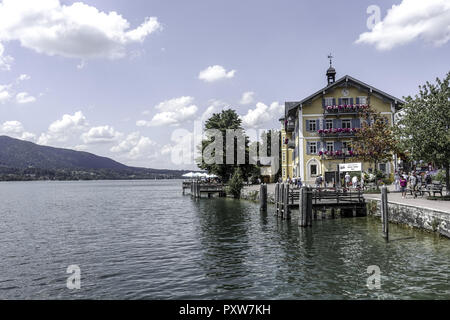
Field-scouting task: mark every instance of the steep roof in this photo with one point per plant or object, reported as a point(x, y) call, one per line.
point(289, 106)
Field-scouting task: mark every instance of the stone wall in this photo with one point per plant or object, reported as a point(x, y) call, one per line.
point(422, 218)
point(253, 195)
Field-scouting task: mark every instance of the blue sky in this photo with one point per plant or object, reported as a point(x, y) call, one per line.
point(119, 84)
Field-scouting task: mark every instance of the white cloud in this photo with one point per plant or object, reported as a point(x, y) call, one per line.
point(23, 77)
point(61, 130)
point(15, 129)
point(74, 31)
point(411, 20)
point(5, 61)
point(174, 112)
point(215, 73)
point(4, 93)
point(101, 134)
point(256, 118)
point(135, 146)
point(247, 98)
point(216, 106)
point(24, 97)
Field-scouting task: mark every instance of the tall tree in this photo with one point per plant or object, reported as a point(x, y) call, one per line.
point(424, 125)
point(375, 142)
point(226, 120)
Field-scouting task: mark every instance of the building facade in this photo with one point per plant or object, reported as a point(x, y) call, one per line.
point(317, 132)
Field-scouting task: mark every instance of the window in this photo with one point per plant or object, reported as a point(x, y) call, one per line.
point(284, 156)
point(284, 172)
point(383, 167)
point(313, 147)
point(328, 101)
point(346, 146)
point(313, 169)
point(346, 123)
point(311, 125)
point(329, 124)
point(363, 100)
point(330, 146)
point(345, 101)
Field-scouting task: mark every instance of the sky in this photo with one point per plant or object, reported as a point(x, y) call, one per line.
point(132, 80)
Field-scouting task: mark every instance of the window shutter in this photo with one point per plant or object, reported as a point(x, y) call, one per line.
point(317, 124)
point(334, 123)
point(338, 123)
point(334, 101)
point(340, 101)
point(307, 147)
point(307, 125)
point(357, 123)
point(338, 146)
point(357, 100)
point(323, 102)
point(351, 100)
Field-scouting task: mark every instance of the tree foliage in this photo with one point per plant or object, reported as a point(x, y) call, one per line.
point(424, 124)
point(375, 142)
point(236, 183)
point(227, 119)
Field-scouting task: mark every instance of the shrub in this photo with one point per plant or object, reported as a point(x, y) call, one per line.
point(236, 183)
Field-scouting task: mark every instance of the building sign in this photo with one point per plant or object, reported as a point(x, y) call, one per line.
point(350, 167)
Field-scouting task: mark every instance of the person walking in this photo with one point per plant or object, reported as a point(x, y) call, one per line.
point(318, 181)
point(347, 180)
point(397, 181)
point(354, 182)
point(403, 183)
point(299, 182)
point(413, 183)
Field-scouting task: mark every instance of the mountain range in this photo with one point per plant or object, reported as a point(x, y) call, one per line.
point(24, 160)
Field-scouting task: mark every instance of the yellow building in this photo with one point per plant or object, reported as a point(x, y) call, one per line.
point(318, 131)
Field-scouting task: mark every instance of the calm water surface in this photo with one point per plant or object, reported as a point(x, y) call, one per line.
point(144, 240)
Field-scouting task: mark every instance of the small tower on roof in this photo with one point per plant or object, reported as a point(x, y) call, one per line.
point(331, 72)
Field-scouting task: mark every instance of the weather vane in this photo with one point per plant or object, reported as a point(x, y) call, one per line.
point(330, 57)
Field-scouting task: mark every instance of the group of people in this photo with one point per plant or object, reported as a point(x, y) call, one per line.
point(414, 179)
point(295, 181)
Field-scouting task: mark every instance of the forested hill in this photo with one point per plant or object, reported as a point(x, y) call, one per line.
point(24, 160)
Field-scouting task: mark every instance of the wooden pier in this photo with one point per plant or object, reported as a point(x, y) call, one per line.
point(198, 189)
point(310, 201)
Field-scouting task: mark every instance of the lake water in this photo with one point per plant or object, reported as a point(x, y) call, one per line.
point(144, 240)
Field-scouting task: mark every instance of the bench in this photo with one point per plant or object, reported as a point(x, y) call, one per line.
point(433, 188)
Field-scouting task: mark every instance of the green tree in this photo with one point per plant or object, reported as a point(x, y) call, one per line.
point(375, 142)
point(424, 125)
point(236, 183)
point(226, 120)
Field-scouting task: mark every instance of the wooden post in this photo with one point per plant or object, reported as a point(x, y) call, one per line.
point(385, 213)
point(286, 213)
point(332, 213)
point(281, 199)
point(263, 197)
point(303, 206)
point(277, 193)
point(309, 196)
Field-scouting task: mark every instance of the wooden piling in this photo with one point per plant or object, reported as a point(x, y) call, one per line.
point(385, 213)
point(277, 192)
point(286, 212)
point(309, 197)
point(263, 197)
point(303, 207)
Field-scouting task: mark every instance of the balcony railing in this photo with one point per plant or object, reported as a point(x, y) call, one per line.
point(290, 126)
point(350, 108)
point(337, 154)
point(338, 132)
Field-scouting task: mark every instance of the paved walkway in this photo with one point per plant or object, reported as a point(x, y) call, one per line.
point(393, 197)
